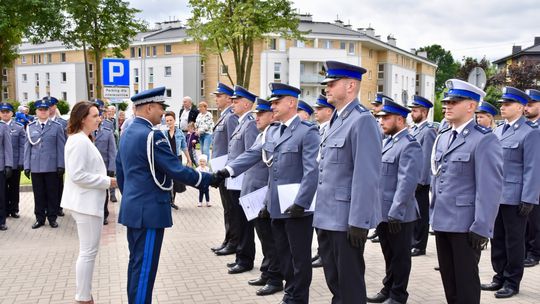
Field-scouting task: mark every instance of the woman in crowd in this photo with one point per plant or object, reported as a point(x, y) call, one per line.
point(485, 115)
point(204, 125)
point(84, 191)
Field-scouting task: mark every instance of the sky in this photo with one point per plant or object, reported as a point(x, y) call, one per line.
point(474, 28)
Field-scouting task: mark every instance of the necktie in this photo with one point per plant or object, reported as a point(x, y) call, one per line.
point(452, 137)
point(334, 116)
point(414, 128)
point(505, 128)
point(42, 126)
point(388, 141)
point(282, 129)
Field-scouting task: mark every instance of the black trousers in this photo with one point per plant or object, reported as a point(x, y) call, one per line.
point(270, 264)
point(224, 194)
point(397, 258)
point(12, 192)
point(344, 267)
point(46, 193)
point(421, 229)
point(3, 199)
point(60, 190)
point(242, 232)
point(106, 205)
point(532, 237)
point(293, 242)
point(508, 246)
point(458, 263)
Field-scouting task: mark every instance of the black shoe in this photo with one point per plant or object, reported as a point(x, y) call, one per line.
point(53, 224)
point(231, 265)
point(316, 257)
point(317, 263)
point(218, 248)
point(229, 249)
point(432, 233)
point(113, 199)
point(375, 239)
point(3, 227)
point(373, 235)
point(105, 222)
point(174, 206)
point(493, 286)
point(417, 252)
point(391, 301)
point(268, 290)
point(437, 268)
point(505, 292)
point(37, 225)
point(378, 298)
point(60, 213)
point(239, 269)
point(530, 262)
point(258, 282)
point(15, 215)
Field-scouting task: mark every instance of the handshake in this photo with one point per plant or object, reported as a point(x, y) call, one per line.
point(218, 177)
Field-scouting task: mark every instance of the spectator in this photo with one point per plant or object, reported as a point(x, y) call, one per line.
point(192, 139)
point(203, 167)
point(187, 114)
point(204, 125)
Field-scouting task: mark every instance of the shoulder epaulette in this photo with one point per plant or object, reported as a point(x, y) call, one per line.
point(1, 121)
point(250, 117)
point(106, 128)
point(482, 129)
point(275, 123)
point(410, 137)
point(56, 122)
point(445, 130)
point(430, 125)
point(307, 123)
point(532, 124)
point(500, 123)
point(360, 108)
point(33, 122)
point(20, 124)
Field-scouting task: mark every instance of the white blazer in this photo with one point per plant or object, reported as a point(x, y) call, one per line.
point(86, 176)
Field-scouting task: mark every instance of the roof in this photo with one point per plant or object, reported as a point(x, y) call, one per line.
point(169, 33)
point(533, 50)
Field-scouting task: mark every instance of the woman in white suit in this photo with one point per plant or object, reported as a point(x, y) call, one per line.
point(84, 191)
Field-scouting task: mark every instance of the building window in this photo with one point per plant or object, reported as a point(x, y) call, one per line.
point(49, 57)
point(327, 44)
point(369, 96)
point(135, 75)
point(25, 96)
point(369, 74)
point(272, 44)
point(91, 90)
point(300, 43)
point(380, 88)
point(224, 69)
point(64, 96)
point(380, 74)
point(5, 93)
point(277, 70)
point(23, 59)
point(168, 48)
point(282, 44)
point(168, 93)
point(39, 58)
point(154, 51)
point(202, 66)
point(34, 59)
point(48, 79)
point(132, 52)
point(147, 51)
point(168, 71)
point(37, 95)
point(90, 71)
point(202, 87)
point(342, 45)
point(150, 75)
point(139, 52)
point(4, 74)
point(24, 78)
point(136, 92)
point(351, 47)
point(37, 79)
point(62, 57)
point(64, 77)
point(396, 78)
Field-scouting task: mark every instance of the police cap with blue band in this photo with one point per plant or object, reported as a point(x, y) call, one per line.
point(263, 105)
point(511, 94)
point(304, 106)
point(156, 95)
point(486, 107)
point(240, 92)
point(390, 107)
point(52, 100)
point(379, 98)
point(419, 101)
point(534, 95)
point(42, 104)
point(280, 90)
point(460, 90)
point(337, 70)
point(223, 89)
point(322, 102)
point(4, 106)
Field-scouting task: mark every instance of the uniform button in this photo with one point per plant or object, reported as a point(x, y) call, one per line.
point(320, 170)
point(275, 179)
point(440, 191)
point(445, 160)
point(443, 170)
point(324, 145)
point(320, 183)
point(322, 156)
point(442, 181)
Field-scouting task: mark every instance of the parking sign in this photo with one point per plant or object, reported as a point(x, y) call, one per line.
point(115, 72)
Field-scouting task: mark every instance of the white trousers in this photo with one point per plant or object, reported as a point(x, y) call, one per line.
point(89, 229)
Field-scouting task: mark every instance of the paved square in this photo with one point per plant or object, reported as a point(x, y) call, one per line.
point(38, 266)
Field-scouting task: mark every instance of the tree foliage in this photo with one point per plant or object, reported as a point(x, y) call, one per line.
point(522, 75)
point(446, 65)
point(235, 25)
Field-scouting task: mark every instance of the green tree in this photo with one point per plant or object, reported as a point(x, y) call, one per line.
point(469, 63)
point(34, 19)
point(236, 25)
point(522, 75)
point(446, 66)
point(63, 106)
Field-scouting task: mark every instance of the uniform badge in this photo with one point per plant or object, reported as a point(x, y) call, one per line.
point(163, 140)
point(466, 131)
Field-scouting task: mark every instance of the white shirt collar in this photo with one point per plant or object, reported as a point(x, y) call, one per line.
point(241, 119)
point(421, 123)
point(43, 122)
point(512, 122)
point(339, 112)
point(289, 122)
point(395, 135)
point(150, 123)
point(460, 128)
point(324, 124)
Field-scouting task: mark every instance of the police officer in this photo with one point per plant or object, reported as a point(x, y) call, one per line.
point(425, 134)
point(485, 115)
point(467, 165)
point(106, 145)
point(290, 150)
point(44, 160)
point(108, 124)
point(255, 178)
point(520, 140)
point(377, 103)
point(348, 198)
point(304, 110)
point(223, 130)
point(145, 155)
point(400, 175)
point(242, 138)
point(532, 243)
point(18, 138)
point(6, 166)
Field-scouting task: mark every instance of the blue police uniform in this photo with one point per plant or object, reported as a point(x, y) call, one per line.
point(486, 107)
point(466, 188)
point(145, 155)
point(18, 139)
point(400, 174)
point(6, 165)
point(304, 106)
point(520, 141)
point(221, 134)
point(290, 151)
point(241, 231)
point(425, 134)
point(44, 158)
point(348, 194)
point(106, 145)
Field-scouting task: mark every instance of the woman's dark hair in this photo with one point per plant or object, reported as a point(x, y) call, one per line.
point(170, 113)
point(80, 110)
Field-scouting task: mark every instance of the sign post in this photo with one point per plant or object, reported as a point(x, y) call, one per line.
point(115, 81)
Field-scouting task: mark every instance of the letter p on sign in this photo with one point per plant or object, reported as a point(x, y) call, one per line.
point(115, 72)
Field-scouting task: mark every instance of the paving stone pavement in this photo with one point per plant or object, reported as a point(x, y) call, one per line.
point(38, 266)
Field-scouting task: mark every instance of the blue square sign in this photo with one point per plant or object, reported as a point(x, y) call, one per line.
point(115, 72)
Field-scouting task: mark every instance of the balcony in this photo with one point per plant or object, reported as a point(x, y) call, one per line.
point(311, 79)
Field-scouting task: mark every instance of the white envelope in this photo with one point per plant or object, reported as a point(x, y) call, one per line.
point(235, 183)
point(253, 202)
point(218, 163)
point(287, 193)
